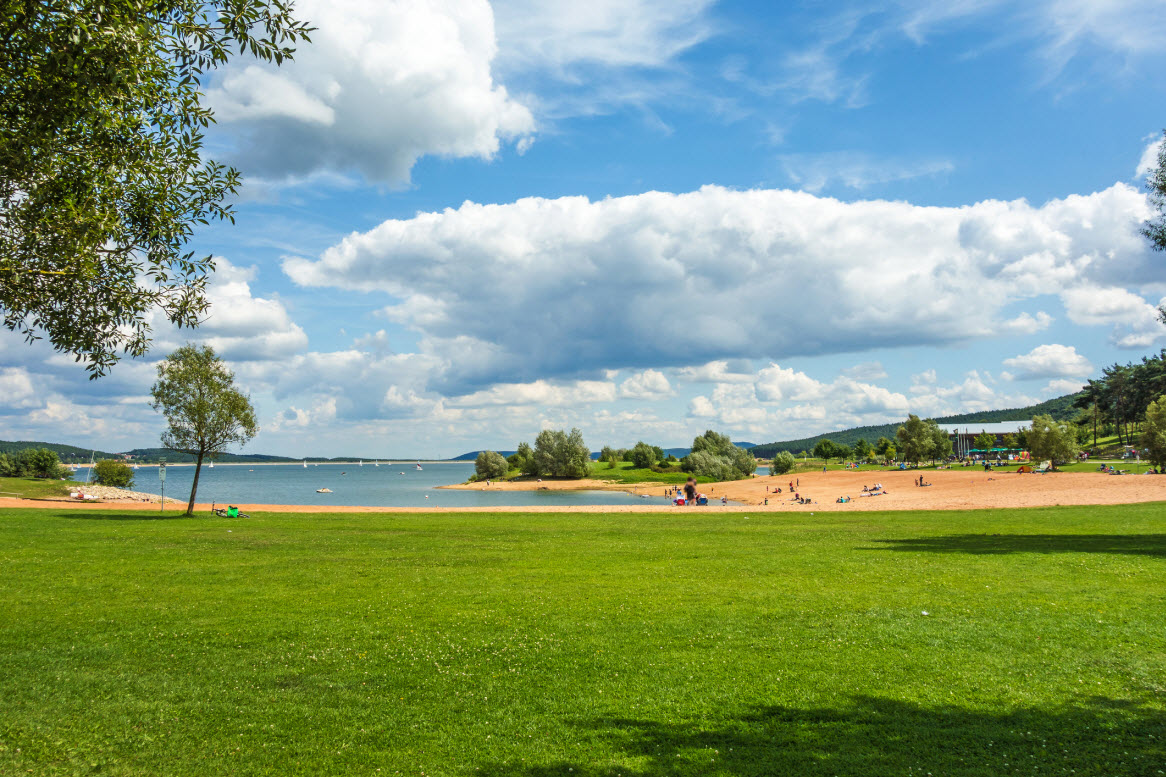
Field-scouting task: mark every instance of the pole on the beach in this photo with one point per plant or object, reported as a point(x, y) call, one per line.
point(162, 477)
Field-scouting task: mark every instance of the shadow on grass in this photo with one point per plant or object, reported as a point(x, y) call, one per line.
point(872, 737)
point(132, 515)
point(989, 544)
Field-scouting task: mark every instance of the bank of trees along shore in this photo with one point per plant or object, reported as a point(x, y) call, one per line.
point(559, 454)
point(1118, 400)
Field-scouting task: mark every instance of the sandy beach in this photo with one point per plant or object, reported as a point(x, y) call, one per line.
point(957, 489)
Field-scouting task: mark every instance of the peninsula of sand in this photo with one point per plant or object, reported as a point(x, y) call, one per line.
point(957, 489)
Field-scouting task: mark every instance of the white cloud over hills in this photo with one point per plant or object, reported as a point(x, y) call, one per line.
point(568, 287)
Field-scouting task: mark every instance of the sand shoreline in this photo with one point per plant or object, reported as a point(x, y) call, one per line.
point(957, 489)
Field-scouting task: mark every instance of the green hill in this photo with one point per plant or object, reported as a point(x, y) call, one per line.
point(69, 454)
point(1060, 408)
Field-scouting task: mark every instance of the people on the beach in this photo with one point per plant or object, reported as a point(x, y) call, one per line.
point(690, 490)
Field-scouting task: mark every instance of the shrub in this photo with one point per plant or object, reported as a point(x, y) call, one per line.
point(1052, 440)
point(108, 472)
point(783, 462)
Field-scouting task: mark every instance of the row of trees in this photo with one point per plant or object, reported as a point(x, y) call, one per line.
point(556, 454)
point(862, 450)
point(32, 463)
point(1120, 397)
point(564, 455)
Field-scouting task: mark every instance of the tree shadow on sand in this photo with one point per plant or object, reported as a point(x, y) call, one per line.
point(996, 544)
point(871, 737)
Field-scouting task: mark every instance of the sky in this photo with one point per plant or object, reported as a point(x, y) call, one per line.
point(463, 222)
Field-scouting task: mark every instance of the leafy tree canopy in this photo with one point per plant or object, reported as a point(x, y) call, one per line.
point(560, 455)
point(1154, 433)
point(110, 472)
point(1052, 440)
point(490, 465)
point(102, 175)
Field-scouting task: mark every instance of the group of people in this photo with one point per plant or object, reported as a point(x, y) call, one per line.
point(690, 496)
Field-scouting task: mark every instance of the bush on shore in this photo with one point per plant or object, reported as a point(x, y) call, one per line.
point(118, 474)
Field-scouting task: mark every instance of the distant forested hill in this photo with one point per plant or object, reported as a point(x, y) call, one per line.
point(1060, 408)
point(66, 453)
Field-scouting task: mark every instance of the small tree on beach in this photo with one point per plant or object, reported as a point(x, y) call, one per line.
point(861, 450)
point(1052, 440)
point(782, 462)
point(561, 455)
point(914, 439)
point(204, 411)
point(491, 465)
point(109, 472)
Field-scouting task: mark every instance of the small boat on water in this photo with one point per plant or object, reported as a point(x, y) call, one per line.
point(323, 491)
point(361, 462)
point(212, 465)
point(417, 466)
point(305, 463)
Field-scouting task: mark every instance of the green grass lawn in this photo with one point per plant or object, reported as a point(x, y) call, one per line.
point(626, 472)
point(690, 643)
point(35, 488)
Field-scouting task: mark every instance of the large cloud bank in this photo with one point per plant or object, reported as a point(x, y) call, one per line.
point(556, 288)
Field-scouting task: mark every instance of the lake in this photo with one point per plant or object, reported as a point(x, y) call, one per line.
point(387, 485)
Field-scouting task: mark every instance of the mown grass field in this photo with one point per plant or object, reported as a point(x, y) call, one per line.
point(969, 644)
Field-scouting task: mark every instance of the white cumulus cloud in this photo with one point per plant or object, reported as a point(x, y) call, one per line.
point(380, 85)
point(515, 281)
point(1050, 361)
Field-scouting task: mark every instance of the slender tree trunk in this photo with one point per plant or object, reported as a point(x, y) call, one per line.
point(194, 486)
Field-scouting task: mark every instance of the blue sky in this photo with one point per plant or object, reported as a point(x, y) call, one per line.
point(464, 222)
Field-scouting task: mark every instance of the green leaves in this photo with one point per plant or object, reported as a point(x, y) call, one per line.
point(102, 177)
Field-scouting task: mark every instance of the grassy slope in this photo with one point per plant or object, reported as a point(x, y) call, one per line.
point(35, 488)
point(585, 645)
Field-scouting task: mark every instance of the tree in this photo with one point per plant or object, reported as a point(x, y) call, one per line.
point(881, 446)
point(940, 443)
point(490, 465)
point(1010, 442)
point(609, 455)
point(913, 439)
point(862, 450)
point(984, 442)
point(782, 462)
point(38, 463)
point(715, 456)
point(825, 450)
point(523, 459)
point(204, 411)
point(844, 452)
point(1155, 228)
point(1154, 434)
point(561, 455)
point(891, 452)
point(642, 456)
point(1052, 440)
point(102, 172)
point(109, 472)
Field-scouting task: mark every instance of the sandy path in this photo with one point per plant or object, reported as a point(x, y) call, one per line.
point(958, 489)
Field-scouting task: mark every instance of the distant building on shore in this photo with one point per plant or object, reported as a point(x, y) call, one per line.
point(963, 436)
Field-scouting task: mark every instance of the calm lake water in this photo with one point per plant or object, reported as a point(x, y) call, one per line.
point(387, 485)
